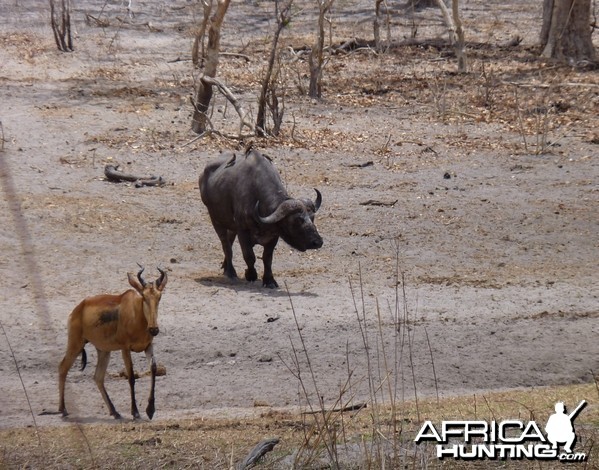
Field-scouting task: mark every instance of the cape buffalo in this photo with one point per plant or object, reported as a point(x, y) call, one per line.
point(246, 198)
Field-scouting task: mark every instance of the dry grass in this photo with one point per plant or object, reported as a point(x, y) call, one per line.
point(217, 442)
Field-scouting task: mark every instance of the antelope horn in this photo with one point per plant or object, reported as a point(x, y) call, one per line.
point(139, 278)
point(161, 278)
point(287, 207)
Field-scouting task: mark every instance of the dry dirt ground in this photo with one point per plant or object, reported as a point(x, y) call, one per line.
point(480, 190)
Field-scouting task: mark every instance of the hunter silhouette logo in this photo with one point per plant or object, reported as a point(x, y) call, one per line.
point(507, 439)
point(560, 429)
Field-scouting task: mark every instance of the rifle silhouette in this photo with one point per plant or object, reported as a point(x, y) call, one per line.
point(577, 410)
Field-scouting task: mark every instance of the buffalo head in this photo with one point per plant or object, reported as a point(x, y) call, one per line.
point(295, 221)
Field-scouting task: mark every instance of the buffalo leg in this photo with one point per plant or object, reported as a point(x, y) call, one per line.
point(249, 256)
point(103, 359)
point(268, 280)
point(131, 377)
point(150, 409)
point(227, 237)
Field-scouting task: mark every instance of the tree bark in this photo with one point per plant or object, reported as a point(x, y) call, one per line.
point(204, 93)
point(566, 31)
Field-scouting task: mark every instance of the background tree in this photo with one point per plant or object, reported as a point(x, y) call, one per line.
point(60, 19)
point(197, 50)
point(269, 81)
point(378, 20)
point(566, 31)
point(316, 60)
point(204, 93)
point(456, 32)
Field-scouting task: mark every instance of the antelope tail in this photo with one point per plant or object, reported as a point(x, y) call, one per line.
point(83, 358)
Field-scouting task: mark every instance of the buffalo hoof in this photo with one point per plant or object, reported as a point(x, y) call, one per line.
point(230, 273)
point(251, 274)
point(270, 283)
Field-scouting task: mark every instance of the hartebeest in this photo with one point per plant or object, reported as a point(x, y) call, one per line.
point(127, 322)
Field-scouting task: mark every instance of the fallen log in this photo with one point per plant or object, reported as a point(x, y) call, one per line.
point(113, 174)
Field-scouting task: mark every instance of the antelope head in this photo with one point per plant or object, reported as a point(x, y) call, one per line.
point(150, 293)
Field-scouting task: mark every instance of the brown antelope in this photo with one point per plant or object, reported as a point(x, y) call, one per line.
point(111, 322)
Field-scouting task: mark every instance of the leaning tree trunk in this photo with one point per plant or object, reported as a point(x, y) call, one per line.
point(566, 32)
point(204, 93)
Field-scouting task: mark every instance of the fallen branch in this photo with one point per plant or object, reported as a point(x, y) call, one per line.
point(373, 202)
point(232, 99)
point(102, 23)
point(343, 409)
point(258, 452)
point(113, 174)
point(360, 165)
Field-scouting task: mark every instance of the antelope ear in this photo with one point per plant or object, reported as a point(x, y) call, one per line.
point(135, 282)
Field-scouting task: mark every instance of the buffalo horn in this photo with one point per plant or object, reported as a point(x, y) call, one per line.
point(286, 208)
point(318, 201)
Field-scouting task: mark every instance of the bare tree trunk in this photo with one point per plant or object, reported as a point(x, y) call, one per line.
point(456, 32)
point(460, 44)
point(566, 31)
point(61, 25)
point(282, 21)
point(204, 93)
point(315, 59)
point(377, 25)
point(378, 20)
point(198, 42)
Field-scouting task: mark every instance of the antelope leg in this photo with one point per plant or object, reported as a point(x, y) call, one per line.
point(131, 376)
point(103, 359)
point(150, 409)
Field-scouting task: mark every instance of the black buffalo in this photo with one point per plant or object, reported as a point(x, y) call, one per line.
point(246, 198)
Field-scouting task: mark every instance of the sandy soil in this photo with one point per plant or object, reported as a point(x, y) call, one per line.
point(423, 172)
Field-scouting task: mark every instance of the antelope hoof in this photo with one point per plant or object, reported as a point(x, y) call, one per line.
point(150, 410)
point(117, 415)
